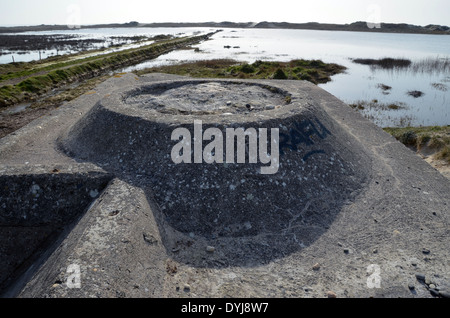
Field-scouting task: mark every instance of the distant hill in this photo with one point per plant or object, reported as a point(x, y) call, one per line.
point(359, 26)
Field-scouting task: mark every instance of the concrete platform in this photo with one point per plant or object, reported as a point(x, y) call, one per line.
point(93, 205)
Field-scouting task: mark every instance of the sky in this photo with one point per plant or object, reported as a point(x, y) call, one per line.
point(85, 12)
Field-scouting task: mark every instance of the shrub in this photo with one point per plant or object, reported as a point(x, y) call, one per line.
point(279, 74)
point(409, 138)
point(247, 68)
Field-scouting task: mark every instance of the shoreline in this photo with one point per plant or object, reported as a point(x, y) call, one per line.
point(358, 26)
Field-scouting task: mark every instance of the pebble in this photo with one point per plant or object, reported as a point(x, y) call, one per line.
point(411, 287)
point(93, 193)
point(434, 292)
point(331, 294)
point(187, 288)
point(150, 239)
point(444, 294)
point(426, 251)
point(346, 250)
point(316, 267)
point(210, 249)
point(113, 213)
point(420, 277)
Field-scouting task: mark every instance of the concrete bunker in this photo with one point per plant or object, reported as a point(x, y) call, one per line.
point(345, 195)
point(38, 206)
point(254, 217)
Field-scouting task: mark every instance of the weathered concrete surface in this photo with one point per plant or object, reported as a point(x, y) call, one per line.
point(347, 197)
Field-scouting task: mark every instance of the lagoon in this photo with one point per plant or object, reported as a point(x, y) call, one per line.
point(429, 72)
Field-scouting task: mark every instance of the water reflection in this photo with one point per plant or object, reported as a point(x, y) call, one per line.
point(422, 86)
point(429, 71)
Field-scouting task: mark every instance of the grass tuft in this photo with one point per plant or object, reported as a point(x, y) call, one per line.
point(314, 71)
point(435, 139)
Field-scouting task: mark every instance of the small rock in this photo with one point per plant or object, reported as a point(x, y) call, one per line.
point(150, 239)
point(420, 277)
point(316, 267)
point(120, 294)
point(426, 251)
point(434, 292)
point(432, 286)
point(113, 213)
point(93, 193)
point(346, 250)
point(375, 251)
point(331, 294)
point(210, 249)
point(411, 287)
point(187, 288)
point(444, 294)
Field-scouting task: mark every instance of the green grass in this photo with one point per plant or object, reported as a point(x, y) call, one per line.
point(20, 69)
point(62, 73)
point(385, 63)
point(376, 105)
point(433, 138)
point(314, 71)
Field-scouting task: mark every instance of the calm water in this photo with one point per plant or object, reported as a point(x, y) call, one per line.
point(108, 37)
point(359, 83)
